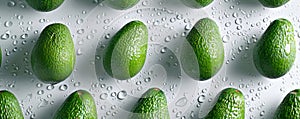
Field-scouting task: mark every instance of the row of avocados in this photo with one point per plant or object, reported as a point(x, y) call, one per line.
point(152, 105)
point(49, 5)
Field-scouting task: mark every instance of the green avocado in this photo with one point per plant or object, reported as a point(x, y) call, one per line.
point(290, 106)
point(122, 4)
point(9, 106)
point(273, 3)
point(230, 105)
point(79, 105)
point(197, 3)
point(152, 105)
point(53, 56)
point(275, 52)
point(203, 53)
point(44, 5)
point(126, 53)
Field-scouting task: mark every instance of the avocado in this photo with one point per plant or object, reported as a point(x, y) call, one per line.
point(152, 105)
point(230, 105)
point(53, 56)
point(197, 3)
point(275, 52)
point(9, 106)
point(122, 4)
point(79, 105)
point(289, 108)
point(44, 5)
point(273, 3)
point(207, 49)
point(126, 53)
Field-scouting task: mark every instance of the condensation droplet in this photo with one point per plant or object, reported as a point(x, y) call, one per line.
point(103, 96)
point(201, 98)
point(11, 4)
point(63, 87)
point(40, 92)
point(80, 31)
point(181, 102)
point(226, 38)
point(122, 95)
point(8, 23)
point(79, 21)
point(23, 36)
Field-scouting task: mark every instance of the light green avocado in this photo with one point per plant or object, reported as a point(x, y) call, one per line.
point(53, 56)
point(152, 105)
point(44, 5)
point(290, 106)
point(126, 53)
point(9, 106)
point(79, 105)
point(122, 4)
point(197, 3)
point(230, 105)
point(273, 3)
point(275, 52)
point(203, 53)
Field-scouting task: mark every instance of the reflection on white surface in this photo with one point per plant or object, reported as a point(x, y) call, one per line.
point(92, 24)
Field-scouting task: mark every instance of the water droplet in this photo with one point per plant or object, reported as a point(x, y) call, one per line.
point(42, 20)
point(63, 87)
point(80, 31)
point(113, 94)
point(79, 52)
point(227, 24)
point(11, 4)
point(5, 36)
point(168, 39)
point(122, 95)
point(188, 27)
point(40, 92)
point(163, 50)
point(226, 38)
point(103, 96)
point(239, 27)
point(79, 21)
point(39, 85)
point(148, 79)
point(107, 36)
point(238, 21)
point(235, 15)
point(32, 116)
point(23, 36)
point(109, 88)
point(201, 98)
point(144, 3)
point(138, 83)
point(8, 23)
point(181, 102)
point(76, 84)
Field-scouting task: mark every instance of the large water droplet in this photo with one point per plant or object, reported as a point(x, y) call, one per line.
point(122, 95)
point(63, 87)
point(201, 98)
point(8, 23)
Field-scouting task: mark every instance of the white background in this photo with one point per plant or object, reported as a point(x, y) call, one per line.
point(93, 23)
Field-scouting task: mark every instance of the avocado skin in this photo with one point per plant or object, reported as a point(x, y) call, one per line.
point(206, 41)
point(122, 4)
point(273, 3)
point(152, 105)
point(129, 45)
point(9, 106)
point(44, 5)
point(230, 105)
point(79, 105)
point(203, 3)
point(275, 52)
point(290, 106)
point(53, 56)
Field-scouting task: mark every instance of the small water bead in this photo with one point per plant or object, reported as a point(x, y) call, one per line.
point(238, 21)
point(148, 79)
point(103, 96)
point(201, 98)
point(226, 38)
point(8, 23)
point(5, 36)
point(42, 20)
point(63, 87)
point(113, 94)
point(40, 92)
point(163, 50)
point(109, 88)
point(23, 36)
point(80, 31)
point(39, 85)
point(227, 24)
point(79, 21)
point(76, 84)
point(181, 102)
point(79, 51)
point(11, 3)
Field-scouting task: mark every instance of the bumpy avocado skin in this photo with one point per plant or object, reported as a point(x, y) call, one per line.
point(9, 106)
point(275, 52)
point(79, 105)
point(53, 56)
point(230, 105)
point(152, 105)
point(273, 3)
point(44, 5)
point(126, 53)
point(289, 108)
point(207, 44)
